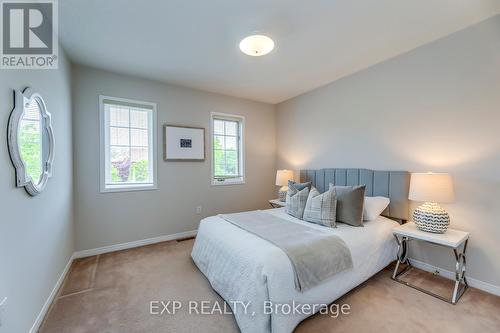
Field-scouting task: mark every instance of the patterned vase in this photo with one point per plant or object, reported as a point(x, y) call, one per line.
point(282, 195)
point(432, 218)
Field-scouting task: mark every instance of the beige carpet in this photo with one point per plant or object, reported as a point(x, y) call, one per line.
point(112, 293)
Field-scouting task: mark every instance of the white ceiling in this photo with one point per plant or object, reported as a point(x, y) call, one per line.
point(194, 43)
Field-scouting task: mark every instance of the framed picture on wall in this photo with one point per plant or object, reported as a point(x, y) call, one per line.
point(183, 143)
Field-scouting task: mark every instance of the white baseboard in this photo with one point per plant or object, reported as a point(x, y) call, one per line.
point(93, 252)
point(488, 287)
point(129, 245)
point(50, 299)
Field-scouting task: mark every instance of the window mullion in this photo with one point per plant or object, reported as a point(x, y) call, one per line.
point(107, 143)
point(129, 141)
point(150, 147)
point(238, 148)
point(214, 138)
point(225, 152)
point(226, 170)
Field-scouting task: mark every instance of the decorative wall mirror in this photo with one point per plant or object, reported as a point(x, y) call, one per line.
point(31, 141)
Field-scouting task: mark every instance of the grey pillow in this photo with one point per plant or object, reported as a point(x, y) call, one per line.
point(350, 201)
point(321, 208)
point(296, 201)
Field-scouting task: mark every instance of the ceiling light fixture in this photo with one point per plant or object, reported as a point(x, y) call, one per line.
point(256, 45)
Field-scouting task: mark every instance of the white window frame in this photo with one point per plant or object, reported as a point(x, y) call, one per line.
point(241, 120)
point(104, 143)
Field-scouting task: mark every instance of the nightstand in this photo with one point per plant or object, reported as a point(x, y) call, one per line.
point(276, 203)
point(455, 240)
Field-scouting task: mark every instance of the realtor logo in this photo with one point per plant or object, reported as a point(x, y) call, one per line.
point(29, 34)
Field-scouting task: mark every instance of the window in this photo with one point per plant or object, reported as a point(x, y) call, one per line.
point(128, 144)
point(227, 149)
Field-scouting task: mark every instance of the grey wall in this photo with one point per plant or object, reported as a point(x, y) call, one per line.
point(435, 108)
point(36, 233)
point(112, 218)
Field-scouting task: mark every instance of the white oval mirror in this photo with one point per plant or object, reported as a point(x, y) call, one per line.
point(31, 141)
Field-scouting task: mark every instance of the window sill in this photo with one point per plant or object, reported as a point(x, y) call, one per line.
point(128, 188)
point(227, 182)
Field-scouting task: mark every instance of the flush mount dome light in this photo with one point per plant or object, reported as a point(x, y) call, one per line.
point(256, 45)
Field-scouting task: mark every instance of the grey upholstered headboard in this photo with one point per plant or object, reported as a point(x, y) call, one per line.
point(392, 184)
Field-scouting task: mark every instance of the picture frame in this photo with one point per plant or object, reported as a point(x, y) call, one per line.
point(183, 143)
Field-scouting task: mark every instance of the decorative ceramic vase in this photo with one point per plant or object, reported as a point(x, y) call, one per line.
point(282, 194)
point(432, 218)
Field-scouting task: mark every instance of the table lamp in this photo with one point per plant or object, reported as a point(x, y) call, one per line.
point(431, 188)
point(282, 178)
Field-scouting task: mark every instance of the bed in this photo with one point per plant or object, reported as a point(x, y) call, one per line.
point(246, 269)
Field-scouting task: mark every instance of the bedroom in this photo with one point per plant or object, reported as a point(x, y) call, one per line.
point(155, 127)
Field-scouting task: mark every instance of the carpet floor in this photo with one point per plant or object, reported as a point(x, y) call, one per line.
point(112, 293)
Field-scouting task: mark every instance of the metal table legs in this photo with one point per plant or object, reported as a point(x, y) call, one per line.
point(460, 280)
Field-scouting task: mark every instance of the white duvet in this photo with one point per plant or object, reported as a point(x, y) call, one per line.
point(249, 271)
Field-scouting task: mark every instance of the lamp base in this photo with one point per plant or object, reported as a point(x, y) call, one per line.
point(431, 217)
point(282, 193)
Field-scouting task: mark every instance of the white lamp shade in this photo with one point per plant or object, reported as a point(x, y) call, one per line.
point(283, 176)
point(431, 187)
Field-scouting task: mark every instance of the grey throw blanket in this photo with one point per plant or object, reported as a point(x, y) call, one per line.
point(315, 255)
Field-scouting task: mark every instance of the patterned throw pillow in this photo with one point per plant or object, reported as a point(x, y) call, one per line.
point(321, 208)
point(296, 198)
point(299, 186)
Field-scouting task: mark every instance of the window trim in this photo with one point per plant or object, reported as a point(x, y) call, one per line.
point(102, 148)
point(241, 120)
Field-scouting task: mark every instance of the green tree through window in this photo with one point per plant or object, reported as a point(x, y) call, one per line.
point(30, 143)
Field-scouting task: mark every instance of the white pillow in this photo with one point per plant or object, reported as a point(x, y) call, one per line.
point(374, 206)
